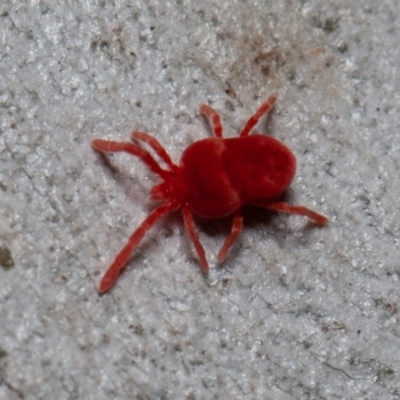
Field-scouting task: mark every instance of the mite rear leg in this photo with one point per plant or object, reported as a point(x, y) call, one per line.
point(299, 210)
point(191, 230)
point(213, 118)
point(237, 227)
point(263, 109)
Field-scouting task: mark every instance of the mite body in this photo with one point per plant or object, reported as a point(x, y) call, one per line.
point(215, 178)
point(223, 175)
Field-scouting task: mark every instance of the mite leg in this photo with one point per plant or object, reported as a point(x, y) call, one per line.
point(299, 210)
point(213, 118)
point(237, 226)
point(191, 230)
point(155, 145)
point(263, 109)
point(123, 256)
point(110, 146)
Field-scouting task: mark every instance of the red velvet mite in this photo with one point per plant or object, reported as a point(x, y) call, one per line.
point(215, 178)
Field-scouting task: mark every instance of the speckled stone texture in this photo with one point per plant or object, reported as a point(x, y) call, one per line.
point(296, 311)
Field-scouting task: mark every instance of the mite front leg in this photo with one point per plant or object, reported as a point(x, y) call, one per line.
point(155, 145)
point(123, 256)
point(111, 146)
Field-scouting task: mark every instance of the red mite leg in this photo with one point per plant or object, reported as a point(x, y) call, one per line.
point(191, 230)
point(155, 145)
point(263, 109)
point(237, 226)
point(299, 210)
point(123, 256)
point(110, 146)
point(213, 118)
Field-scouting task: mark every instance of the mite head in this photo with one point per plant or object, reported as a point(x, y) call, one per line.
point(171, 188)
